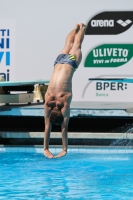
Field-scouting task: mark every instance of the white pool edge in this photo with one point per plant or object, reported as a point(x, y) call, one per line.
point(75, 149)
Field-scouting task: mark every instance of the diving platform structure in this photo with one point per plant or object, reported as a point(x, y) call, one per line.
point(22, 91)
point(85, 117)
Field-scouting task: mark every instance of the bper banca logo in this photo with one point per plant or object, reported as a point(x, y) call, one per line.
point(110, 85)
point(110, 23)
point(105, 85)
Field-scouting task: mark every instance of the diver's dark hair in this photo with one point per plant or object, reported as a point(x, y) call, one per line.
point(56, 116)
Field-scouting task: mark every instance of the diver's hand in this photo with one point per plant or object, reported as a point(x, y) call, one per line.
point(63, 153)
point(48, 154)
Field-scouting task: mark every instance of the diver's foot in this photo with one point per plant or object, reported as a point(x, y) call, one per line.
point(48, 154)
point(77, 27)
point(83, 26)
point(61, 154)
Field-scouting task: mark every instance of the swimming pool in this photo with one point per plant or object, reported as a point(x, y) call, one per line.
point(102, 174)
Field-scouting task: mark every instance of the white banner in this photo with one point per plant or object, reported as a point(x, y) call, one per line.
point(40, 36)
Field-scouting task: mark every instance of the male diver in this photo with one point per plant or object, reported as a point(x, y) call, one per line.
point(59, 93)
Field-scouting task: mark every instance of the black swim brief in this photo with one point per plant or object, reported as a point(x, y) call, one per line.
point(66, 59)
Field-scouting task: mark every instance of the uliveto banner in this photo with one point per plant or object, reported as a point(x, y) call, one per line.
point(109, 55)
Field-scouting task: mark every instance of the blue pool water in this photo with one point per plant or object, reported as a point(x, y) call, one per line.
point(75, 176)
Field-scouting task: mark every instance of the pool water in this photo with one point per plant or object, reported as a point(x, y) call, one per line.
point(75, 176)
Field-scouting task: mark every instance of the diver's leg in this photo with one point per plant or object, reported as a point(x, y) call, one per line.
point(70, 40)
point(76, 48)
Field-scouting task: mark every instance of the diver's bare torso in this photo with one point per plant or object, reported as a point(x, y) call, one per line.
point(60, 87)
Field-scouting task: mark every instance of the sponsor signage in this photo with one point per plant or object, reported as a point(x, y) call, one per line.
point(109, 84)
point(109, 55)
point(115, 86)
point(110, 88)
point(107, 48)
point(110, 23)
point(7, 49)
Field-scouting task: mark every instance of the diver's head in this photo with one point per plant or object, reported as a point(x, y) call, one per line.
point(56, 116)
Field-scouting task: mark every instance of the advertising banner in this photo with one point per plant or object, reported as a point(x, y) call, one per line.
point(107, 66)
point(110, 23)
point(7, 49)
point(109, 55)
point(38, 35)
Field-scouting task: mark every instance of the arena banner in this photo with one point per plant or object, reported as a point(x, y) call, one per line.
point(7, 49)
point(110, 23)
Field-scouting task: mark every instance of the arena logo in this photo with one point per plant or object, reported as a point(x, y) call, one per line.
point(102, 23)
point(109, 55)
point(124, 23)
point(110, 23)
point(7, 49)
